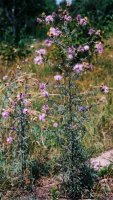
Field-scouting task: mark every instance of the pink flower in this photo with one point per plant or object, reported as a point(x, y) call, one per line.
point(55, 125)
point(45, 94)
point(5, 114)
point(83, 48)
point(25, 111)
point(5, 77)
point(91, 31)
point(45, 108)
point(80, 49)
point(70, 56)
point(78, 17)
point(49, 19)
point(20, 96)
point(41, 52)
point(54, 32)
point(78, 68)
point(42, 86)
point(54, 14)
point(42, 117)
point(67, 18)
point(26, 102)
point(99, 47)
point(48, 43)
point(81, 21)
point(38, 60)
point(104, 89)
point(58, 77)
point(86, 47)
point(39, 20)
point(71, 50)
point(9, 140)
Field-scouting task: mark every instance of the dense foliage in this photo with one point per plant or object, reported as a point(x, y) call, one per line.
point(99, 12)
point(18, 26)
point(20, 17)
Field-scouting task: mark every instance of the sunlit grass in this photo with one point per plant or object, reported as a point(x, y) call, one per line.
point(99, 127)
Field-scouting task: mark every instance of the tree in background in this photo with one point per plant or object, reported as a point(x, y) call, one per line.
point(19, 17)
point(99, 11)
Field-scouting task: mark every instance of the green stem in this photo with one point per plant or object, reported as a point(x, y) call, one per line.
point(71, 131)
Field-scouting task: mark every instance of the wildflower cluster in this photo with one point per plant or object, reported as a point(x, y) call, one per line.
point(74, 41)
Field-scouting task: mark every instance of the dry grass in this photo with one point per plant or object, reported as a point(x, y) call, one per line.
point(99, 134)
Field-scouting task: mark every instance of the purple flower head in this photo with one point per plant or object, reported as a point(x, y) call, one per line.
point(70, 56)
point(82, 108)
point(80, 49)
point(71, 50)
point(42, 117)
point(58, 77)
point(26, 102)
point(5, 114)
point(83, 48)
point(67, 18)
point(25, 111)
point(78, 68)
point(45, 108)
point(39, 20)
point(49, 19)
point(5, 77)
point(41, 52)
point(9, 140)
point(82, 21)
point(78, 18)
point(48, 42)
point(20, 96)
point(91, 31)
point(38, 60)
point(86, 47)
point(42, 86)
point(45, 94)
point(104, 89)
point(54, 14)
point(99, 47)
point(55, 32)
point(55, 125)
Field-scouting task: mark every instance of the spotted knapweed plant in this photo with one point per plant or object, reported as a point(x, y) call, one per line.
point(15, 119)
point(23, 109)
point(70, 46)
